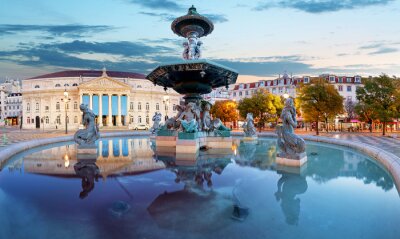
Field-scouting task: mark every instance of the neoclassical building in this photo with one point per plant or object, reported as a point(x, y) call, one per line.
point(119, 99)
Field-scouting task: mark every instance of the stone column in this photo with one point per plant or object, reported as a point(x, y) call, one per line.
point(109, 119)
point(119, 111)
point(127, 118)
point(91, 101)
point(100, 150)
point(100, 118)
point(80, 112)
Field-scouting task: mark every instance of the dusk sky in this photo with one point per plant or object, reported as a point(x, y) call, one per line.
point(259, 38)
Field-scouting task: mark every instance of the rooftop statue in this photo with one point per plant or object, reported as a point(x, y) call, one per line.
point(248, 126)
point(289, 143)
point(90, 133)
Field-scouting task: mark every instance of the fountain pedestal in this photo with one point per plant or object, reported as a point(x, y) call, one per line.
point(291, 160)
point(86, 152)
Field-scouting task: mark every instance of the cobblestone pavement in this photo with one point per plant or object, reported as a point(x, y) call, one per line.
point(388, 144)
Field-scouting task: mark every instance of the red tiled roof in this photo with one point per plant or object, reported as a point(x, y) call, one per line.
point(90, 73)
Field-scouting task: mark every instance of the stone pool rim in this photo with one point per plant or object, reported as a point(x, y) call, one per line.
point(389, 161)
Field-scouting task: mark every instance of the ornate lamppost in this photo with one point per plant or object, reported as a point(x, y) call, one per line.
point(66, 99)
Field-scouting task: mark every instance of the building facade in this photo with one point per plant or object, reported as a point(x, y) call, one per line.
point(10, 102)
point(345, 85)
point(119, 99)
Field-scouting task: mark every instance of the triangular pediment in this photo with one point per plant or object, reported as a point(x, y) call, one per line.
point(105, 83)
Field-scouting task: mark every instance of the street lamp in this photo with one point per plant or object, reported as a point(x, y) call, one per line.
point(286, 95)
point(165, 102)
point(66, 99)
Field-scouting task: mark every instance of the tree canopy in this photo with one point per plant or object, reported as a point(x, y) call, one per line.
point(379, 99)
point(225, 110)
point(319, 101)
point(263, 105)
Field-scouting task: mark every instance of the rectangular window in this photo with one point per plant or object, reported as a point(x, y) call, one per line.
point(131, 106)
point(340, 80)
point(358, 79)
point(46, 108)
point(340, 88)
point(247, 93)
point(240, 93)
point(331, 78)
point(349, 88)
point(234, 94)
point(348, 80)
point(306, 79)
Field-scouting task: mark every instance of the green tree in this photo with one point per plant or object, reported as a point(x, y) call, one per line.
point(225, 110)
point(380, 96)
point(319, 101)
point(263, 105)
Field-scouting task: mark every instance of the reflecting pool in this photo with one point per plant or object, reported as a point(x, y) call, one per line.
point(130, 191)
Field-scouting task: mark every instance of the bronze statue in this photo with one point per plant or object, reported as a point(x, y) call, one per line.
point(90, 133)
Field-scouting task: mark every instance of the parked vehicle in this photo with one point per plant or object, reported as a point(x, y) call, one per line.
point(142, 127)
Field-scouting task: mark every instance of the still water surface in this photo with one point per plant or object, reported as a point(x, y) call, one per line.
point(130, 191)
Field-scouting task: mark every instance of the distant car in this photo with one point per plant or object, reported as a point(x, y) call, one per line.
point(142, 126)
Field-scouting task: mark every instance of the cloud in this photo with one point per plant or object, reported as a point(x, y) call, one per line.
point(215, 18)
point(123, 48)
point(158, 4)
point(384, 50)
point(70, 31)
point(320, 6)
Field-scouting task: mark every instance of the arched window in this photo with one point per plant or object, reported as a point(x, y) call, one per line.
point(157, 106)
point(147, 106)
point(57, 85)
point(75, 84)
point(58, 106)
point(76, 119)
point(37, 86)
point(28, 107)
point(66, 85)
point(37, 106)
point(139, 119)
point(139, 106)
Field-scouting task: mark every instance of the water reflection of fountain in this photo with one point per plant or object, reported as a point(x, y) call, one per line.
point(89, 172)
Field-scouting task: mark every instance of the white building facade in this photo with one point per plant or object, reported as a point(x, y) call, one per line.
point(119, 99)
point(10, 102)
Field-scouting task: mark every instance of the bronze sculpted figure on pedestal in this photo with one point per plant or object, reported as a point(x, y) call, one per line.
point(248, 127)
point(288, 142)
point(90, 133)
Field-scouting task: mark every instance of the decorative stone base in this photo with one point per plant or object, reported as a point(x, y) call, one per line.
point(190, 143)
point(291, 162)
point(250, 138)
point(289, 169)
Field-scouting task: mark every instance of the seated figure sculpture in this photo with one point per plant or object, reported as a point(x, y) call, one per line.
point(156, 125)
point(290, 145)
point(210, 124)
point(188, 119)
point(173, 123)
point(248, 127)
point(90, 133)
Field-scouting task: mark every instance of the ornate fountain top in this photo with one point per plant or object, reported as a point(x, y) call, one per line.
point(192, 24)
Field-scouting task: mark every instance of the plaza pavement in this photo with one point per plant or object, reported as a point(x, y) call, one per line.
point(12, 135)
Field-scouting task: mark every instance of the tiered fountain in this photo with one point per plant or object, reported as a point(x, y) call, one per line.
point(192, 127)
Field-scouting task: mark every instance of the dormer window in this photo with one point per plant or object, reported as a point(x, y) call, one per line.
point(306, 79)
point(348, 79)
point(340, 80)
point(332, 78)
point(357, 79)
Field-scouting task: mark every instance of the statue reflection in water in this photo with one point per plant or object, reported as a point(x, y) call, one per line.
point(89, 172)
point(289, 186)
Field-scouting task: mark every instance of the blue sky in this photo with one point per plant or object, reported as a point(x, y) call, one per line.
point(260, 38)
